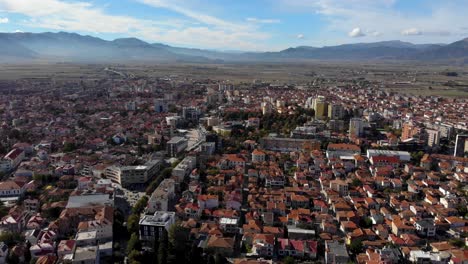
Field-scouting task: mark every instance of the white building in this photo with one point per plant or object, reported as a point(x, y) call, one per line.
point(356, 127)
point(153, 226)
point(184, 168)
point(128, 175)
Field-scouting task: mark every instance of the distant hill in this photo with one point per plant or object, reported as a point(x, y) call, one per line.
point(72, 47)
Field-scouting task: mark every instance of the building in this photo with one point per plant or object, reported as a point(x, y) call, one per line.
point(433, 137)
point(320, 107)
point(356, 127)
point(10, 189)
point(191, 113)
point(184, 168)
point(402, 155)
point(409, 131)
point(160, 106)
point(341, 149)
point(336, 111)
point(128, 175)
point(336, 253)
point(461, 145)
point(288, 144)
point(339, 186)
point(258, 156)
point(152, 227)
point(176, 145)
point(11, 160)
point(161, 197)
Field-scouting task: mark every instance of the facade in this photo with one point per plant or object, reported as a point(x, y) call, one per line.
point(128, 175)
point(433, 137)
point(356, 127)
point(11, 160)
point(160, 198)
point(288, 144)
point(160, 106)
point(336, 111)
point(176, 145)
point(336, 253)
point(184, 167)
point(461, 145)
point(153, 226)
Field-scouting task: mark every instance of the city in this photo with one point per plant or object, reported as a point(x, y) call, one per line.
point(175, 169)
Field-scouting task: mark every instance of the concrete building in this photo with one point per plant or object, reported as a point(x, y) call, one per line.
point(461, 145)
point(11, 160)
point(433, 137)
point(160, 106)
point(176, 145)
point(191, 113)
point(184, 168)
point(402, 155)
point(161, 197)
point(356, 127)
point(335, 111)
point(152, 227)
point(320, 107)
point(336, 253)
point(128, 175)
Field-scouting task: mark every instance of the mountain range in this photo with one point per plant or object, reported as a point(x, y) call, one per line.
point(72, 47)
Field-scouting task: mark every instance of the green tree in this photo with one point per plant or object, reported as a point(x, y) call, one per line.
point(356, 246)
point(289, 260)
point(132, 223)
point(162, 250)
point(134, 243)
point(140, 205)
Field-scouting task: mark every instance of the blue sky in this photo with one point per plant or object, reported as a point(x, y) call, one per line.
point(255, 25)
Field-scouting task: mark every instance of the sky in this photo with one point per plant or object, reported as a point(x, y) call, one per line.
point(247, 25)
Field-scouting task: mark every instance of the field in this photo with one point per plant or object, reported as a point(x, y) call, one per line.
point(417, 79)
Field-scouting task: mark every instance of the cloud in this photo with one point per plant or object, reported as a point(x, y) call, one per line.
point(373, 33)
point(196, 29)
point(18, 31)
point(263, 21)
point(300, 36)
point(356, 33)
point(4, 20)
point(386, 18)
point(411, 32)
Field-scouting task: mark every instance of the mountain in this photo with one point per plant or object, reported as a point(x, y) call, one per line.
point(455, 51)
point(72, 47)
point(63, 46)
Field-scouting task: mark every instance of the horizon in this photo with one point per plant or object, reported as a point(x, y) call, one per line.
point(257, 26)
point(225, 50)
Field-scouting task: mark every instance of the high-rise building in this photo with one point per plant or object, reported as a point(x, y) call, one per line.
point(191, 113)
point(335, 111)
point(356, 127)
point(409, 131)
point(433, 137)
point(320, 107)
point(160, 106)
point(461, 145)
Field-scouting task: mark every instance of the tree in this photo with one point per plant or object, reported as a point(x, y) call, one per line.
point(289, 260)
point(132, 223)
point(134, 256)
point(140, 205)
point(162, 250)
point(134, 243)
point(356, 246)
point(11, 238)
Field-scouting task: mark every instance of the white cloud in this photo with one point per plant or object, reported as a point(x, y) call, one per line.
point(436, 23)
point(263, 21)
point(411, 32)
point(4, 20)
point(300, 36)
point(200, 30)
point(356, 32)
point(19, 31)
